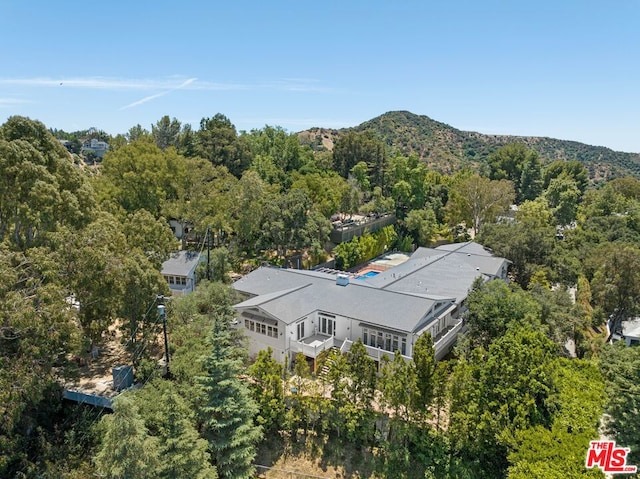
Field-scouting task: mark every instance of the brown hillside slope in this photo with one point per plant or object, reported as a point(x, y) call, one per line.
point(448, 149)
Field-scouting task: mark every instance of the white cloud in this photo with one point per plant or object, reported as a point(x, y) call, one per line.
point(124, 84)
point(104, 83)
point(171, 83)
point(96, 83)
point(8, 102)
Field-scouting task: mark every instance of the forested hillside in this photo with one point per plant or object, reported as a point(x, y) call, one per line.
point(81, 246)
point(446, 149)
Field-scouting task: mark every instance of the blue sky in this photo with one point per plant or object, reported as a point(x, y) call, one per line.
point(564, 69)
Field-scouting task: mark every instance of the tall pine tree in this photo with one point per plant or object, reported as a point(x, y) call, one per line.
point(168, 417)
point(127, 450)
point(227, 410)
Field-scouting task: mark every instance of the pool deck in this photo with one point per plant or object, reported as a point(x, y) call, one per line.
point(382, 263)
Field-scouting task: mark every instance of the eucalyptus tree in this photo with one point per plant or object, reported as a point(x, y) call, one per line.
point(615, 284)
point(140, 176)
point(37, 332)
point(498, 392)
point(477, 200)
point(40, 187)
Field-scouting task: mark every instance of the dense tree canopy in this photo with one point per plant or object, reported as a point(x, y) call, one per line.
point(616, 282)
point(218, 142)
point(520, 165)
point(36, 333)
point(353, 148)
point(141, 176)
point(621, 368)
point(39, 186)
point(74, 263)
point(477, 200)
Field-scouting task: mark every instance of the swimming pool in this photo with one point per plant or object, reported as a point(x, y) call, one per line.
point(368, 274)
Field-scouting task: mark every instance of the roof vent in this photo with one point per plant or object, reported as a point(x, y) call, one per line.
point(342, 280)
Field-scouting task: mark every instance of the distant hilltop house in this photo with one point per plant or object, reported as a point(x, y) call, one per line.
point(67, 144)
point(181, 229)
point(345, 229)
point(95, 147)
point(297, 311)
point(179, 271)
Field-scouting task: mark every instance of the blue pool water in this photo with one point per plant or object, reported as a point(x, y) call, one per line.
point(368, 274)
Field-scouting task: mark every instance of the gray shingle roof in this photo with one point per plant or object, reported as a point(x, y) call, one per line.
point(277, 297)
point(180, 263)
point(444, 271)
point(397, 298)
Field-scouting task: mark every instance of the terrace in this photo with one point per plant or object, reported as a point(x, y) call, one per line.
point(313, 345)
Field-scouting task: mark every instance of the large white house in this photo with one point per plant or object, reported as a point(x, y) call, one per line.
point(297, 311)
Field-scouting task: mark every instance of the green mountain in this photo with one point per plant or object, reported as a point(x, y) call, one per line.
point(448, 149)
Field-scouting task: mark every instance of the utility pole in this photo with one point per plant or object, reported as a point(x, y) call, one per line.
point(163, 314)
point(208, 252)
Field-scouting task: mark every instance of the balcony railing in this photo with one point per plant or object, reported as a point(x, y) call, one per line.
point(443, 343)
point(313, 345)
point(374, 353)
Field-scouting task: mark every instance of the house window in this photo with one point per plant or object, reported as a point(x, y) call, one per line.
point(183, 280)
point(256, 325)
point(327, 325)
point(171, 280)
point(384, 340)
point(300, 330)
